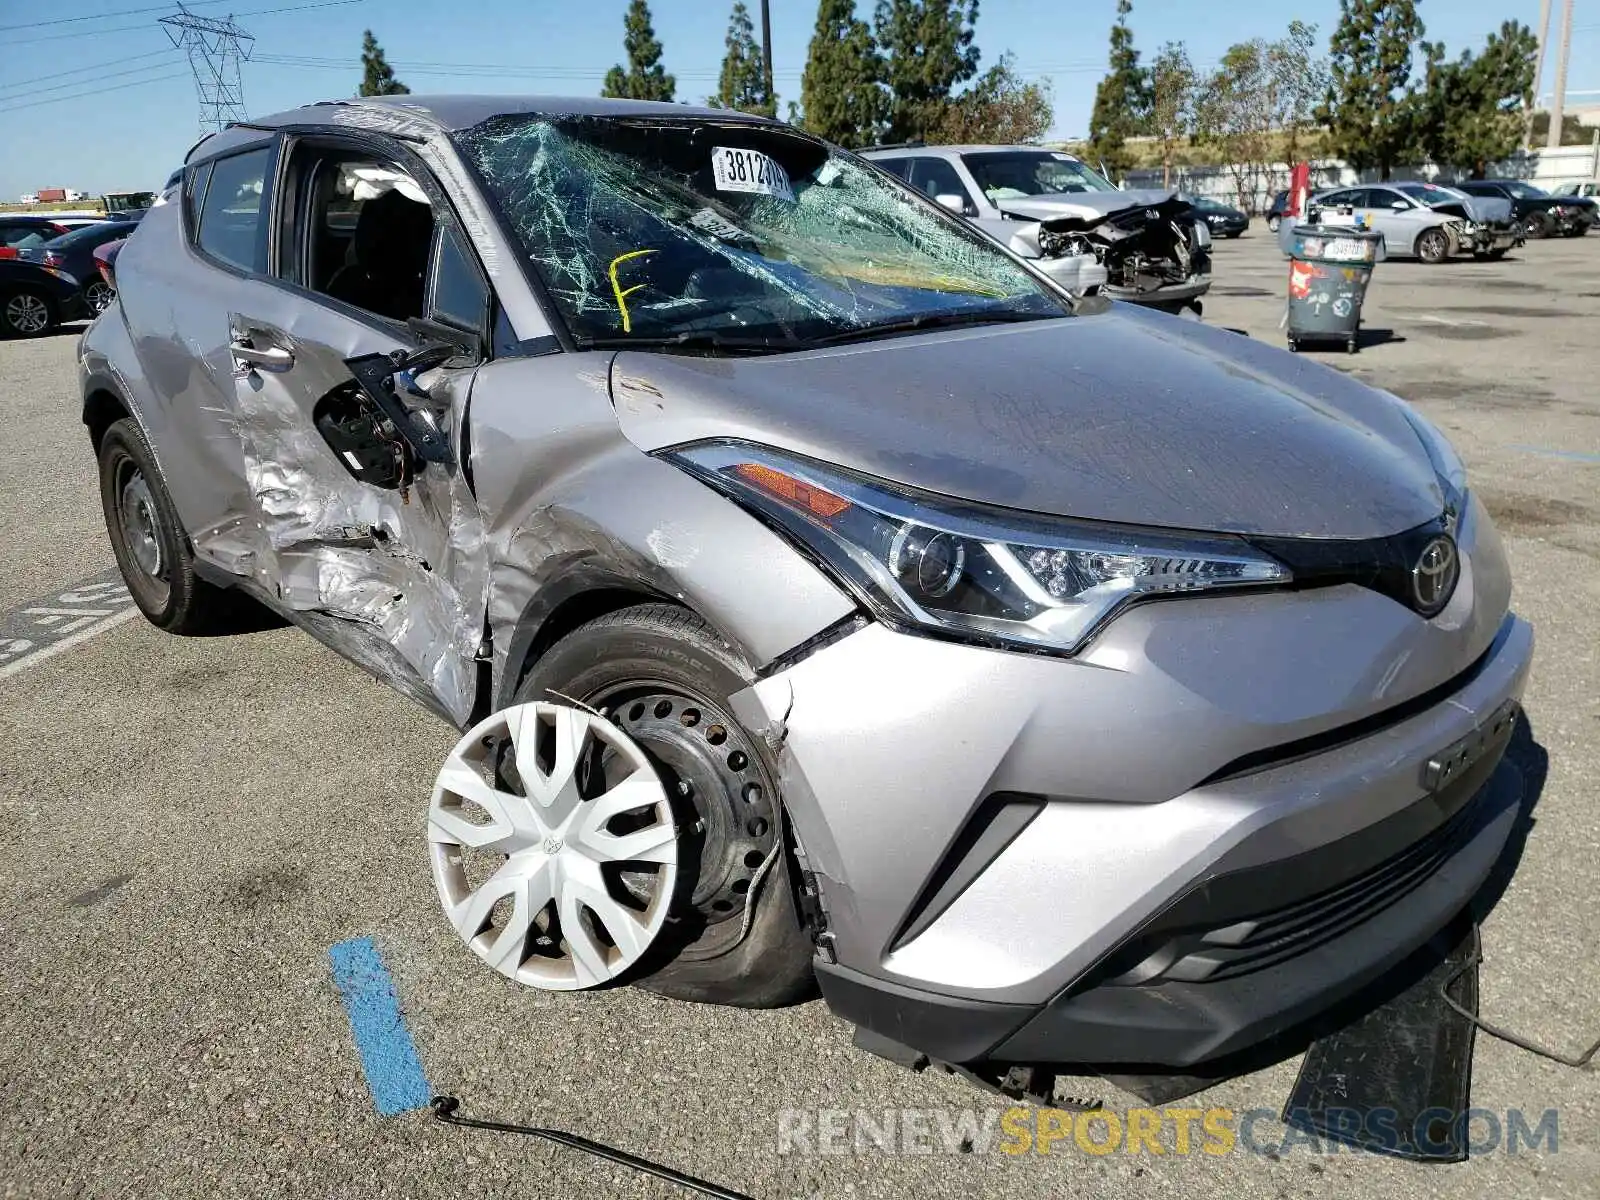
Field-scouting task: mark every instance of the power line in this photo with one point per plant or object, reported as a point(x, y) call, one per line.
point(160, 66)
point(95, 92)
point(115, 62)
point(258, 12)
point(116, 12)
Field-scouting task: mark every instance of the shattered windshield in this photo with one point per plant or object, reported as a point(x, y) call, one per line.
point(731, 235)
point(1013, 174)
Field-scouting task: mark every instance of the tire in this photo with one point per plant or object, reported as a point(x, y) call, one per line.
point(151, 547)
point(1433, 246)
point(26, 312)
point(1497, 255)
point(98, 295)
point(650, 669)
point(1535, 228)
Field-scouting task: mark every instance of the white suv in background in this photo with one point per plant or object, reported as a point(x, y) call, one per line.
point(1142, 246)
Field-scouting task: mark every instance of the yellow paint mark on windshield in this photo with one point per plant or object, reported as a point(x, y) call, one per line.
point(622, 293)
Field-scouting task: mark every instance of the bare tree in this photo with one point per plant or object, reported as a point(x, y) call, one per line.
point(1172, 102)
point(1236, 113)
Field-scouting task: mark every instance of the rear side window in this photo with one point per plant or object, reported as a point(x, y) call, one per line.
point(232, 223)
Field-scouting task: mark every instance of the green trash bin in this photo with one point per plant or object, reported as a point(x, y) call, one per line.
point(1330, 267)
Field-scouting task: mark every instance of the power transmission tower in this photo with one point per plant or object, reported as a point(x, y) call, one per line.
point(215, 49)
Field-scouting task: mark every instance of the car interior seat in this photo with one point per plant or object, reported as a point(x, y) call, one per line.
point(385, 270)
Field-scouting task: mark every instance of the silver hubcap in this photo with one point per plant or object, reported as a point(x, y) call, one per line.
point(27, 314)
point(99, 296)
point(531, 878)
point(140, 526)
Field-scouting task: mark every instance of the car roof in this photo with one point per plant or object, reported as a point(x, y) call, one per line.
point(456, 112)
point(425, 116)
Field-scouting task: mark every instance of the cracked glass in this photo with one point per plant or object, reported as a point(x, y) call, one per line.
point(697, 231)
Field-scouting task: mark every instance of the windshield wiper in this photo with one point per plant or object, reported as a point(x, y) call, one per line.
point(935, 320)
point(696, 339)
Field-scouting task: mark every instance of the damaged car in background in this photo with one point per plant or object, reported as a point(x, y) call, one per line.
point(1420, 220)
point(1146, 247)
point(820, 594)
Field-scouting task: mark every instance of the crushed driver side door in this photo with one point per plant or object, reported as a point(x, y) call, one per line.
point(363, 526)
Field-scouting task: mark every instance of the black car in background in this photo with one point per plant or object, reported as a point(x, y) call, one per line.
point(34, 299)
point(74, 253)
point(19, 230)
point(1219, 218)
point(1535, 211)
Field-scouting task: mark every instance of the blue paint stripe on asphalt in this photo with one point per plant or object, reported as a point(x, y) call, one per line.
point(1574, 455)
point(388, 1055)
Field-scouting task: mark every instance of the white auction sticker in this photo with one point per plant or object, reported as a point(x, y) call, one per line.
point(749, 171)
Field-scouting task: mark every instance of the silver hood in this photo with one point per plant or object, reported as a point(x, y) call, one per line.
point(1126, 416)
point(1084, 205)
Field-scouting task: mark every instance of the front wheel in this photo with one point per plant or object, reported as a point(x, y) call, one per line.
point(733, 934)
point(1534, 228)
point(27, 313)
point(1433, 246)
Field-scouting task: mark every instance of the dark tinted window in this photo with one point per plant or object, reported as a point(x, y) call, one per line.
point(231, 220)
point(898, 167)
point(459, 295)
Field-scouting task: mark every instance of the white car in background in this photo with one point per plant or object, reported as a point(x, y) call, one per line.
point(1147, 247)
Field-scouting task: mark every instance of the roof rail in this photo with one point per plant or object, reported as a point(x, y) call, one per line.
point(915, 144)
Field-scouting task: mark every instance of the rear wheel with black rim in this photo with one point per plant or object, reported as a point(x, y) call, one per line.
point(733, 934)
point(148, 539)
point(27, 313)
point(98, 296)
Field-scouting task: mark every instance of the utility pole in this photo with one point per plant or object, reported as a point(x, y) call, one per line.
point(1559, 100)
point(215, 49)
point(766, 53)
point(1538, 71)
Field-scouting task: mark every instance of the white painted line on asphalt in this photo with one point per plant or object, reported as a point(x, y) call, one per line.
point(67, 643)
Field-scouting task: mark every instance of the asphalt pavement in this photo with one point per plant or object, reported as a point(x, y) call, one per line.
point(188, 826)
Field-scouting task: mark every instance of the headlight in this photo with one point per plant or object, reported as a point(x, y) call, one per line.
point(966, 571)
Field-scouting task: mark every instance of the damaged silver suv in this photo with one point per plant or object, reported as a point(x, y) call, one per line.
point(1052, 681)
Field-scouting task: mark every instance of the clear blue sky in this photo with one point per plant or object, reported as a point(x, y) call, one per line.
point(106, 104)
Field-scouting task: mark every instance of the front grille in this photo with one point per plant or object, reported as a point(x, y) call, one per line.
point(1252, 945)
point(1221, 928)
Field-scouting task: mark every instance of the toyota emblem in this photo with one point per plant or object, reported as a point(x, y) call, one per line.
point(1433, 579)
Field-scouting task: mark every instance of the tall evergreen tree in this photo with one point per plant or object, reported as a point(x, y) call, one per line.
point(1371, 109)
point(645, 78)
point(841, 95)
point(743, 85)
point(1122, 101)
point(1471, 111)
point(377, 76)
point(928, 51)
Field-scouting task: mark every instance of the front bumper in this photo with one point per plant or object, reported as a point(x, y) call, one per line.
point(1008, 847)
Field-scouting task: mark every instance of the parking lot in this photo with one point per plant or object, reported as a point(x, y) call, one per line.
point(190, 825)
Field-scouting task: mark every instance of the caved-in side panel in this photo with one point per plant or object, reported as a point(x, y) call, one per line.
point(394, 579)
